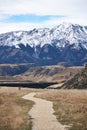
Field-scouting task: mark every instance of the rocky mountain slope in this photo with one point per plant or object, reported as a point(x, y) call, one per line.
point(65, 43)
point(79, 81)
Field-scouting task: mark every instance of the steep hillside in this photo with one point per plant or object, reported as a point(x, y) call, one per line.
point(79, 81)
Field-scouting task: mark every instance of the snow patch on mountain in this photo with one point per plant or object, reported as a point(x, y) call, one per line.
point(59, 36)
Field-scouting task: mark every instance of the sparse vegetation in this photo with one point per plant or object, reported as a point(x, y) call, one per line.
point(70, 107)
point(54, 73)
point(11, 74)
point(14, 109)
point(79, 81)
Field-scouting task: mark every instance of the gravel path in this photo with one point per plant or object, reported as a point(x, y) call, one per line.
point(42, 114)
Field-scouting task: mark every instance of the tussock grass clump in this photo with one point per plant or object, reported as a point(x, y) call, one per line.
point(14, 110)
point(70, 107)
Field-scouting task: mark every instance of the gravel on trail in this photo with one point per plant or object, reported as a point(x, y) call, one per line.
point(42, 114)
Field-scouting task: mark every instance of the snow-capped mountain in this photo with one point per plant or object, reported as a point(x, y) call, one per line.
point(63, 43)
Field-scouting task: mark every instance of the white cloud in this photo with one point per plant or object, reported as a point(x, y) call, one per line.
point(73, 10)
point(44, 7)
point(7, 27)
point(56, 21)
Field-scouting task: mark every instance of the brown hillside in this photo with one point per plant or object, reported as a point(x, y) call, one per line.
point(13, 69)
point(79, 81)
point(49, 74)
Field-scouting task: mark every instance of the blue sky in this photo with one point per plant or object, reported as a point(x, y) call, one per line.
point(28, 14)
point(30, 18)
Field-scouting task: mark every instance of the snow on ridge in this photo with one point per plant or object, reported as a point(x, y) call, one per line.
point(18, 34)
point(73, 33)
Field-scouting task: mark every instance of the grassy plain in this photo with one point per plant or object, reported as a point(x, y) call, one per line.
point(14, 109)
point(70, 107)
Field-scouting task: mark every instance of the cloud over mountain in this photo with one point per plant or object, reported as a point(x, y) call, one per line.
point(56, 11)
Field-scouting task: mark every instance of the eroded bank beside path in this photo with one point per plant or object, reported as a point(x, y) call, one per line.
point(42, 114)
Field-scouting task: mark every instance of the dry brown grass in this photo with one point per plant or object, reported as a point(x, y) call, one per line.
point(49, 73)
point(14, 109)
point(70, 106)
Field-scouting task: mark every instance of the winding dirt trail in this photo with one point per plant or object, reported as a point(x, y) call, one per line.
point(42, 114)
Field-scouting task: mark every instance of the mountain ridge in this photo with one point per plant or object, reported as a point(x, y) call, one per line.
point(63, 43)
